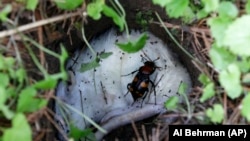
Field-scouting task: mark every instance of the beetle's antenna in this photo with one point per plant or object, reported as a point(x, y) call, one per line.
point(156, 59)
point(147, 57)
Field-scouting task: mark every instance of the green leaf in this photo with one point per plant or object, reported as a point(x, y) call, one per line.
point(4, 109)
point(8, 62)
point(31, 4)
point(4, 12)
point(94, 63)
point(171, 103)
point(243, 63)
point(218, 27)
point(144, 18)
point(204, 79)
point(188, 15)
point(46, 84)
point(88, 66)
point(216, 114)
point(94, 9)
point(132, 47)
point(63, 58)
point(118, 20)
point(105, 55)
point(162, 3)
point(221, 57)
point(1, 62)
point(177, 8)
point(68, 4)
point(20, 130)
point(28, 102)
point(182, 88)
point(246, 79)
point(202, 14)
point(12, 92)
point(4, 79)
point(245, 107)
point(247, 6)
point(230, 80)
point(210, 5)
point(3, 96)
point(208, 92)
point(77, 133)
point(7, 112)
point(227, 9)
point(237, 37)
point(20, 75)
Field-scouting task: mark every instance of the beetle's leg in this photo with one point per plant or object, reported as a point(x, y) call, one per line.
point(133, 103)
point(144, 96)
point(130, 73)
point(126, 94)
point(153, 86)
point(128, 87)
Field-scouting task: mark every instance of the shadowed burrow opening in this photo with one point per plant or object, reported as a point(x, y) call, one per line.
point(146, 11)
point(136, 12)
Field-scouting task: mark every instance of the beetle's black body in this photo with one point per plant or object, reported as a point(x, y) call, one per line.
point(139, 86)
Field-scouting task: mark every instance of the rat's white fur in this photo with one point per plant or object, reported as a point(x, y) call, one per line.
point(107, 104)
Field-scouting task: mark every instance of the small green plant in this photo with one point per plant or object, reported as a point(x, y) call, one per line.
point(118, 15)
point(95, 62)
point(94, 10)
point(229, 52)
point(12, 83)
point(216, 114)
point(29, 4)
point(144, 18)
point(208, 90)
point(19, 123)
point(173, 102)
point(134, 46)
point(19, 97)
point(177, 9)
point(75, 132)
point(68, 4)
point(245, 107)
point(96, 58)
point(4, 12)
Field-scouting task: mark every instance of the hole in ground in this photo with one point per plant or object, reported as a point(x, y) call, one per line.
point(132, 8)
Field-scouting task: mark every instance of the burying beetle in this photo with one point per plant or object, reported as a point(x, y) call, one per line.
point(139, 86)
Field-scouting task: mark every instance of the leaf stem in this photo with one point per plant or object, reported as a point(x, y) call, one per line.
point(41, 47)
point(188, 105)
point(123, 14)
point(87, 43)
point(175, 41)
point(182, 91)
point(117, 9)
point(40, 67)
point(86, 118)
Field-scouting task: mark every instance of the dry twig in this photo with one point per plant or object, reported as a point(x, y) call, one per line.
point(37, 24)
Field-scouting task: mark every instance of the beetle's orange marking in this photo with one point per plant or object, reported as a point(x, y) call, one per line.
point(135, 79)
point(144, 84)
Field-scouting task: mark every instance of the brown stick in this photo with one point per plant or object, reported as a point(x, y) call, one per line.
point(36, 24)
